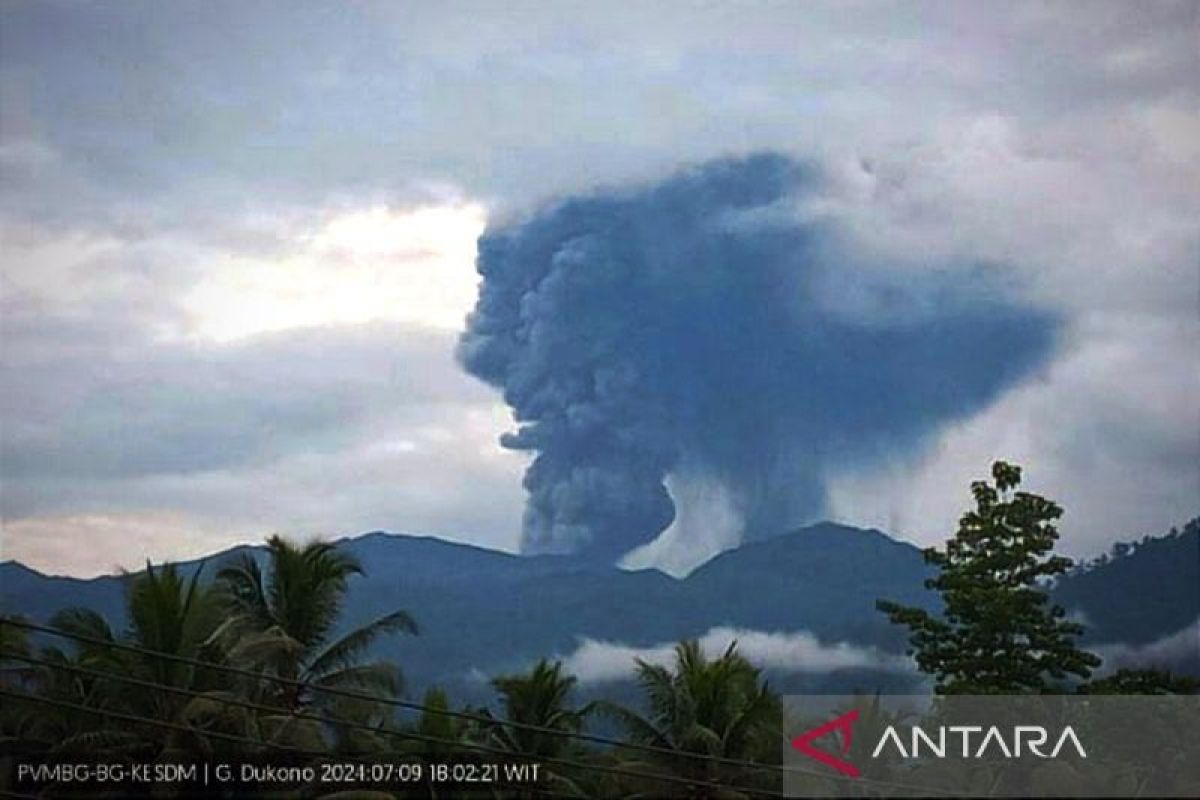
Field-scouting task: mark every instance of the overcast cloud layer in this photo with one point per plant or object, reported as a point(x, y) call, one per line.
point(237, 243)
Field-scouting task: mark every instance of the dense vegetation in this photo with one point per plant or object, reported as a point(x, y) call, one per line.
point(247, 666)
point(1154, 577)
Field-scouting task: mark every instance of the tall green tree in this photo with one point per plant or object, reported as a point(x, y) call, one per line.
point(283, 623)
point(997, 633)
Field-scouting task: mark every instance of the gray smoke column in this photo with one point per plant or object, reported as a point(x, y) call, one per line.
point(701, 324)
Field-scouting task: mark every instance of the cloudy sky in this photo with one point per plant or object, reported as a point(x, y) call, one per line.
point(238, 242)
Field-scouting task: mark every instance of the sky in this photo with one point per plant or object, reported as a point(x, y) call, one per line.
point(238, 245)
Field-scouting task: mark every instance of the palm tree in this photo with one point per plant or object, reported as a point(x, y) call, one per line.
point(436, 736)
point(14, 640)
point(540, 699)
point(14, 646)
point(167, 614)
point(59, 729)
point(715, 708)
point(284, 624)
point(17, 674)
point(441, 732)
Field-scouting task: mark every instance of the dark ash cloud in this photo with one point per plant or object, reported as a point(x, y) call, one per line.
point(708, 323)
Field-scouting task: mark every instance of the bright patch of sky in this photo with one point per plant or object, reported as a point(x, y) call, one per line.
point(375, 264)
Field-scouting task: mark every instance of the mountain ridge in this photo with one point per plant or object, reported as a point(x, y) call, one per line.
point(485, 611)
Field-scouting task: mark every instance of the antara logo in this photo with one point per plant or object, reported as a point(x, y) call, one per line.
point(844, 724)
point(1031, 739)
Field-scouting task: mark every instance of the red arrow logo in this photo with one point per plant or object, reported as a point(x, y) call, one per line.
point(845, 724)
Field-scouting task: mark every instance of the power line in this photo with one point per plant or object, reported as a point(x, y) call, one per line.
point(242, 703)
point(137, 719)
point(463, 745)
point(460, 715)
point(488, 720)
point(412, 706)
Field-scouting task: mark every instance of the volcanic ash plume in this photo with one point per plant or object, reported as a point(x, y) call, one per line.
point(709, 325)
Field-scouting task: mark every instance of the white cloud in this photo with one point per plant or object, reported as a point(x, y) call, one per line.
point(1100, 228)
point(705, 524)
point(598, 661)
point(1110, 431)
point(1181, 646)
point(413, 266)
point(151, 410)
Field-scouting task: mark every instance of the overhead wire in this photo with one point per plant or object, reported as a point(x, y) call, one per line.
point(458, 744)
point(238, 739)
point(463, 715)
point(395, 702)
